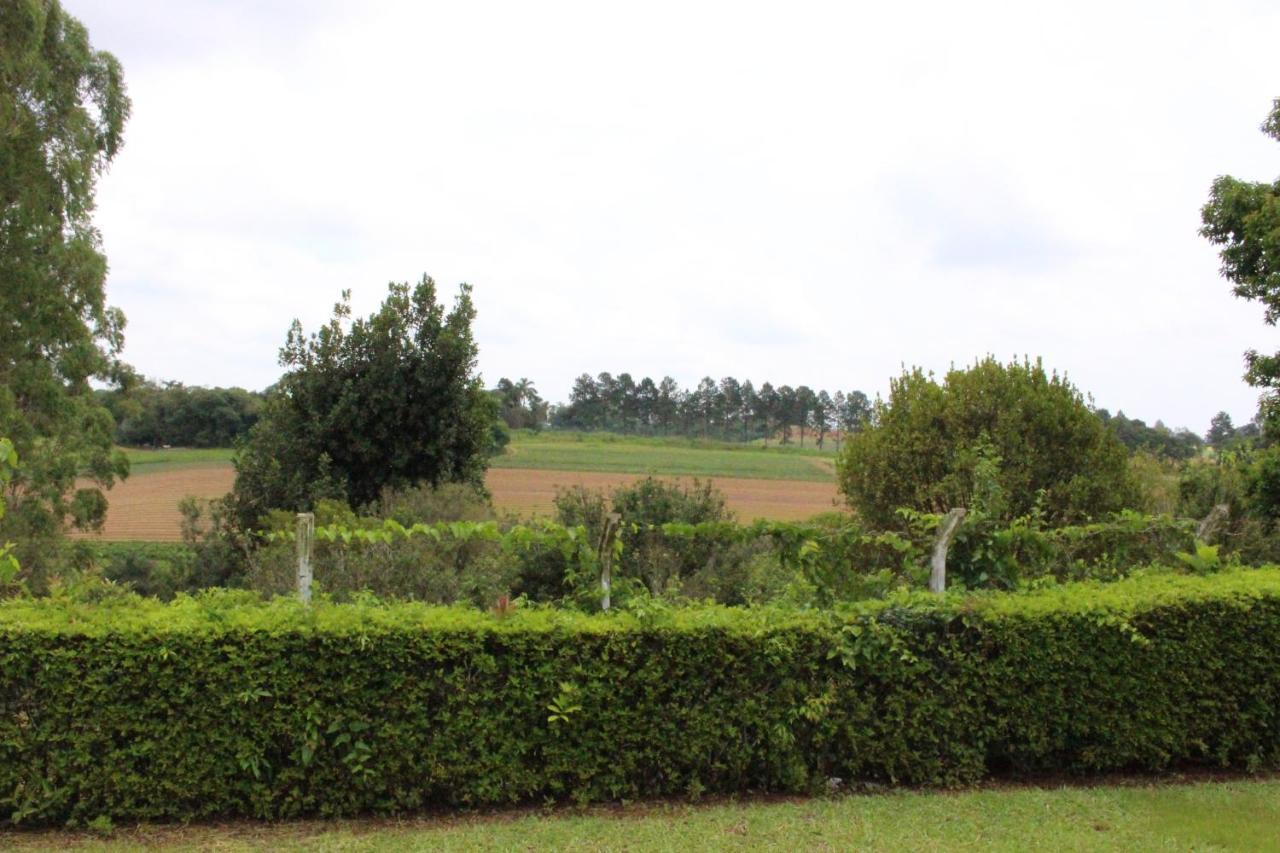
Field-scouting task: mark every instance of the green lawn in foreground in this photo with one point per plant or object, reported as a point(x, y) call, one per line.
point(1238, 815)
point(153, 461)
point(663, 456)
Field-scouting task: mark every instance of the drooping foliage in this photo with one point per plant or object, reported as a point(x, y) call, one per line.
point(1012, 440)
point(62, 113)
point(387, 401)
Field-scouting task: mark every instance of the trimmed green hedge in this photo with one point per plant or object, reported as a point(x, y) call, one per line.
point(223, 706)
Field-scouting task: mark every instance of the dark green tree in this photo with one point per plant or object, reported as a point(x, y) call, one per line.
point(62, 113)
point(667, 407)
point(1221, 431)
point(1243, 217)
point(389, 401)
point(785, 411)
point(1157, 440)
point(646, 404)
point(806, 400)
point(154, 414)
point(521, 405)
point(747, 408)
point(766, 411)
point(933, 446)
point(854, 411)
point(823, 411)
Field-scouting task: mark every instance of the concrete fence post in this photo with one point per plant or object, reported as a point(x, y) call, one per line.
point(611, 523)
point(947, 529)
point(305, 540)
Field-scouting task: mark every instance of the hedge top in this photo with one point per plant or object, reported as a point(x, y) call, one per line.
point(226, 611)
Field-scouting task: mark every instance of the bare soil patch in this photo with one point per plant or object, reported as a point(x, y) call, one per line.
point(145, 506)
point(530, 492)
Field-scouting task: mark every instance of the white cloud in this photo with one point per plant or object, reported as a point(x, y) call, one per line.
point(808, 193)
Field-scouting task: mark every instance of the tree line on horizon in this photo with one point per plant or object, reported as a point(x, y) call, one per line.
point(728, 410)
point(152, 413)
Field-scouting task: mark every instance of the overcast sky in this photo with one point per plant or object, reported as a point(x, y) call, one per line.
point(801, 193)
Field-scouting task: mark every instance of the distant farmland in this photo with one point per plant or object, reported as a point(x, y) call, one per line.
point(774, 483)
point(677, 457)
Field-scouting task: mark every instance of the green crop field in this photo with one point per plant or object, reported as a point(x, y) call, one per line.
point(554, 451)
point(1237, 815)
point(143, 461)
point(664, 456)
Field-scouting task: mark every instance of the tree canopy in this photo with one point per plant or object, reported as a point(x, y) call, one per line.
point(156, 414)
point(390, 400)
point(1243, 217)
point(62, 113)
point(1157, 440)
point(1008, 439)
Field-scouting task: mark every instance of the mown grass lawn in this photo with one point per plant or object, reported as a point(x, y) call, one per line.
point(1235, 815)
point(676, 457)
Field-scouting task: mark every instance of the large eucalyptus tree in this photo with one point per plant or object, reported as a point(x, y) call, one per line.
point(62, 114)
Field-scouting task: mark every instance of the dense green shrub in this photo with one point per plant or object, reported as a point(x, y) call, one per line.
point(445, 502)
point(1045, 450)
point(1247, 481)
point(451, 570)
point(221, 705)
point(159, 569)
point(663, 563)
point(991, 554)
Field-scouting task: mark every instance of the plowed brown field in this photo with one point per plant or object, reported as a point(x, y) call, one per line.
point(145, 507)
point(531, 491)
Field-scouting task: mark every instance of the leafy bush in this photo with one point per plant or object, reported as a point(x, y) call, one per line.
point(649, 555)
point(1247, 481)
point(1044, 449)
point(454, 562)
point(991, 554)
point(159, 569)
point(221, 705)
point(463, 554)
point(450, 570)
point(445, 502)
